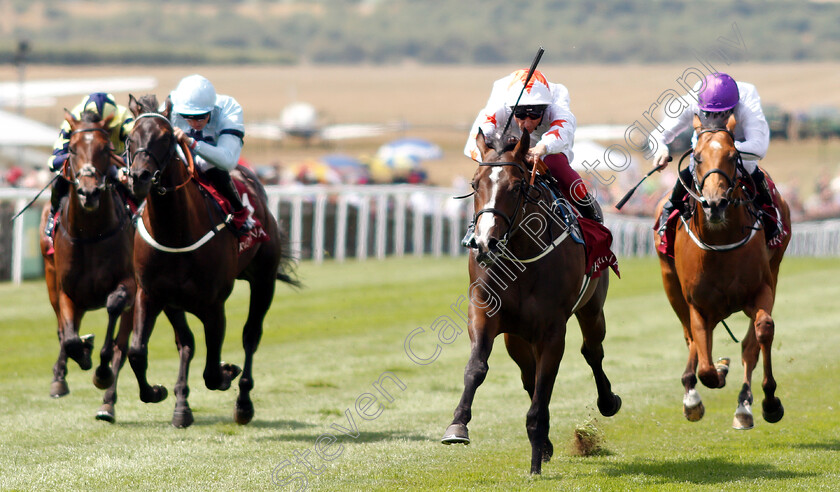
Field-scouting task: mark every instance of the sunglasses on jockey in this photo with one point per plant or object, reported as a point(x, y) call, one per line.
point(532, 112)
point(195, 116)
point(714, 119)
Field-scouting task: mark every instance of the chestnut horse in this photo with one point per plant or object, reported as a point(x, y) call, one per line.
point(92, 263)
point(187, 261)
point(547, 286)
point(722, 265)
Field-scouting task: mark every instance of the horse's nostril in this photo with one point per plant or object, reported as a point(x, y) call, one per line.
point(492, 244)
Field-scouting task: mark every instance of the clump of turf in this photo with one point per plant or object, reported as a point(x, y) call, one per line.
point(588, 439)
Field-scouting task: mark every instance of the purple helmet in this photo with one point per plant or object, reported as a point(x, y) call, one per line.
point(720, 92)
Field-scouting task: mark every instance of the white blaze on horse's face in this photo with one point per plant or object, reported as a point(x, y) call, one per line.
point(484, 226)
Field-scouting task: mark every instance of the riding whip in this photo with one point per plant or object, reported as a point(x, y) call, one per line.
point(633, 189)
point(33, 200)
point(527, 79)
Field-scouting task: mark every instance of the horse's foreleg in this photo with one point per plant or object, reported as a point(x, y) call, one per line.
point(145, 314)
point(76, 348)
point(482, 333)
point(537, 421)
point(217, 376)
point(262, 293)
point(107, 411)
point(771, 407)
point(184, 340)
point(116, 304)
point(710, 374)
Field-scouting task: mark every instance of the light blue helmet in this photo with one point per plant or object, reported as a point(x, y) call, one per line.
point(194, 95)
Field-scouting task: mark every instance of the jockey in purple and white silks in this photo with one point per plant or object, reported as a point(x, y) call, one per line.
point(211, 125)
point(720, 97)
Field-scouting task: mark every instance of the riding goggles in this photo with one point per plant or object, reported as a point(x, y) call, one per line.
point(532, 112)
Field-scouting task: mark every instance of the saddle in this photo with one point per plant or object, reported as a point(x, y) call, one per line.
point(594, 236)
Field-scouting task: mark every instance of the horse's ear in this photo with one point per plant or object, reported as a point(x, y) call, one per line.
point(167, 107)
point(481, 143)
point(134, 106)
point(71, 120)
point(697, 123)
point(523, 146)
point(730, 123)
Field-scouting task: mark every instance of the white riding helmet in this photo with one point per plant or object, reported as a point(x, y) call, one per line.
point(535, 94)
point(194, 95)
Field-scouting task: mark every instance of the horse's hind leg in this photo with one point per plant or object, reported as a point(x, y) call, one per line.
point(116, 304)
point(185, 341)
point(262, 293)
point(217, 375)
point(483, 330)
point(771, 407)
point(107, 411)
point(523, 354)
point(59, 387)
point(145, 314)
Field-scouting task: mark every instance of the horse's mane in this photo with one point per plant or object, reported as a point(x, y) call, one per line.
point(90, 117)
point(149, 104)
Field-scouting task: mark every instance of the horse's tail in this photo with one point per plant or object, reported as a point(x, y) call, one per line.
point(287, 270)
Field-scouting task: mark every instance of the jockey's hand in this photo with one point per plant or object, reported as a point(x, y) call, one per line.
point(181, 136)
point(122, 175)
point(535, 154)
point(662, 158)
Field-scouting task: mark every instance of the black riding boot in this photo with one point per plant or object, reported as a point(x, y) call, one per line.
point(59, 190)
point(764, 201)
point(589, 208)
point(676, 201)
point(224, 184)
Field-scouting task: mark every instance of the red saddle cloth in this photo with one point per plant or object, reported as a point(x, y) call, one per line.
point(666, 245)
point(257, 234)
point(598, 241)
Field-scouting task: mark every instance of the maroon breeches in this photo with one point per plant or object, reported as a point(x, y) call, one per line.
point(570, 181)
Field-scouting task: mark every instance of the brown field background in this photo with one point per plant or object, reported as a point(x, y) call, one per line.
point(439, 102)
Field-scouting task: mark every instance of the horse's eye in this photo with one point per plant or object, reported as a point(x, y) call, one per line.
point(71, 150)
point(472, 185)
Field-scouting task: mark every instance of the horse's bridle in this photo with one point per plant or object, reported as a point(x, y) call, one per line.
point(87, 171)
point(698, 185)
point(524, 188)
point(160, 163)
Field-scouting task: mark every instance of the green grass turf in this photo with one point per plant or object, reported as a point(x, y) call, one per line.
point(325, 346)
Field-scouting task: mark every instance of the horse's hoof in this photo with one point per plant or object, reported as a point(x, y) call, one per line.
point(456, 434)
point(722, 368)
point(229, 373)
point(106, 413)
point(244, 411)
point(79, 350)
point(773, 411)
point(156, 394)
point(694, 414)
point(59, 389)
point(103, 377)
point(743, 419)
point(611, 409)
point(548, 451)
point(182, 418)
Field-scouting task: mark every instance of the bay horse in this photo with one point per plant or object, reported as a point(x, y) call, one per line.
point(187, 261)
point(545, 290)
point(91, 266)
point(721, 265)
